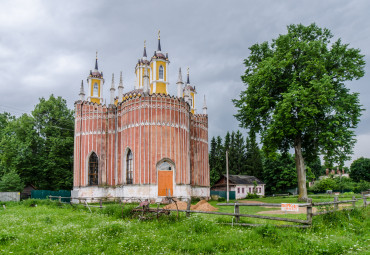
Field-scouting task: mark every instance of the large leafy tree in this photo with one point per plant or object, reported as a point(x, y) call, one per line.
point(360, 170)
point(279, 173)
point(55, 124)
point(296, 96)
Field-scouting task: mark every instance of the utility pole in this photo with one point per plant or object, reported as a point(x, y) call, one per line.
point(227, 176)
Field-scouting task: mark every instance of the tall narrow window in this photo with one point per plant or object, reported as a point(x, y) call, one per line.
point(129, 167)
point(96, 90)
point(161, 72)
point(93, 169)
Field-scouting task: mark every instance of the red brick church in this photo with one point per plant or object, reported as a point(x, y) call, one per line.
point(145, 143)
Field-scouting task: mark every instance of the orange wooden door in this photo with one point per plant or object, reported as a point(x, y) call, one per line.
point(165, 183)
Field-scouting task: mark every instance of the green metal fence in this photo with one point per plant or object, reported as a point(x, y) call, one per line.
point(223, 194)
point(44, 194)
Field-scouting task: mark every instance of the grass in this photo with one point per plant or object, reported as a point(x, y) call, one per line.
point(53, 228)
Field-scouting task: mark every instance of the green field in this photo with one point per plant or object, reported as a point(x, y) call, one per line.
point(53, 228)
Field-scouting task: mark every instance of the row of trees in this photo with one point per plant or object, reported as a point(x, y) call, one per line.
point(278, 171)
point(38, 147)
point(244, 156)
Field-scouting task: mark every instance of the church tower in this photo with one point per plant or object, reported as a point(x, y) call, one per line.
point(95, 83)
point(142, 66)
point(159, 70)
point(189, 94)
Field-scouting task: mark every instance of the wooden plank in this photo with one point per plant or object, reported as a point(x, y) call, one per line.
point(259, 204)
point(247, 215)
point(331, 203)
point(258, 225)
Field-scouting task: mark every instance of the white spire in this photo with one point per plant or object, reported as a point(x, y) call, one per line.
point(204, 105)
point(120, 88)
point(112, 90)
point(146, 79)
point(179, 84)
point(82, 92)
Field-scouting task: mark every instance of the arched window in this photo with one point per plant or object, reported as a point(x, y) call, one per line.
point(96, 90)
point(93, 169)
point(161, 72)
point(129, 168)
point(165, 166)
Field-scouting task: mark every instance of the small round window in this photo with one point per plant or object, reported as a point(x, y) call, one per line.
point(165, 166)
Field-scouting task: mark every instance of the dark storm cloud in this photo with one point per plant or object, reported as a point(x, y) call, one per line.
point(49, 46)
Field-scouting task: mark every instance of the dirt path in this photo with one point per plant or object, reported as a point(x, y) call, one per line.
point(302, 210)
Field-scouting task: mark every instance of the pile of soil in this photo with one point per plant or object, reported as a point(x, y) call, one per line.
point(181, 205)
point(202, 205)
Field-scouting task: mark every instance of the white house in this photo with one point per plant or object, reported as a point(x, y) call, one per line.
point(241, 184)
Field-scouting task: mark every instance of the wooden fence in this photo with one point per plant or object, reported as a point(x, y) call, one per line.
point(144, 207)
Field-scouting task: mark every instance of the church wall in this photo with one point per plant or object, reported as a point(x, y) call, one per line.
point(154, 127)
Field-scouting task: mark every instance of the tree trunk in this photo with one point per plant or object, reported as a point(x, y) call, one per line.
point(301, 173)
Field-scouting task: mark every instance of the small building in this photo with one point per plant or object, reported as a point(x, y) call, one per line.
point(26, 193)
point(241, 184)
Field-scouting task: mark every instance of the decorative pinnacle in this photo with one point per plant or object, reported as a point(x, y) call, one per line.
point(179, 80)
point(144, 54)
point(112, 87)
point(96, 61)
point(120, 79)
point(188, 80)
point(82, 88)
point(159, 40)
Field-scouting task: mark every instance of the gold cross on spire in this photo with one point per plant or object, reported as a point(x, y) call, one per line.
point(96, 54)
point(159, 34)
point(144, 43)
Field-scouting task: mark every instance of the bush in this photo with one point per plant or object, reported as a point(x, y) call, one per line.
point(361, 186)
point(251, 196)
point(11, 182)
point(324, 185)
point(221, 199)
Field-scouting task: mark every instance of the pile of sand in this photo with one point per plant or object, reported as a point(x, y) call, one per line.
point(202, 205)
point(181, 205)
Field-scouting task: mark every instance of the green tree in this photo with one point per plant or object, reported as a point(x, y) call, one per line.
point(253, 162)
point(11, 182)
point(239, 151)
point(219, 161)
point(20, 149)
point(54, 123)
point(213, 173)
point(296, 96)
point(360, 169)
point(279, 173)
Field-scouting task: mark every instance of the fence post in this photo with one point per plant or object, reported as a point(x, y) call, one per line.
point(60, 199)
point(49, 197)
point(236, 211)
point(364, 198)
point(335, 205)
point(309, 211)
point(354, 202)
point(188, 207)
point(101, 203)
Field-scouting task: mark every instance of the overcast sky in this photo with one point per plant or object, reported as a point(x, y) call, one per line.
point(48, 47)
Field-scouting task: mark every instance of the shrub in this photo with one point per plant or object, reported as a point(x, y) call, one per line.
point(221, 199)
point(324, 185)
point(251, 196)
point(361, 186)
point(11, 182)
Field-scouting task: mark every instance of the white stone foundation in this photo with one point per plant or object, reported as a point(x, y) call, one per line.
point(136, 192)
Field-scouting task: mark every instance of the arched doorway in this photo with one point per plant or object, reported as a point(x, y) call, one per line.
point(165, 170)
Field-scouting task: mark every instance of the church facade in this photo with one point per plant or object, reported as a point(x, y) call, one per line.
point(145, 143)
